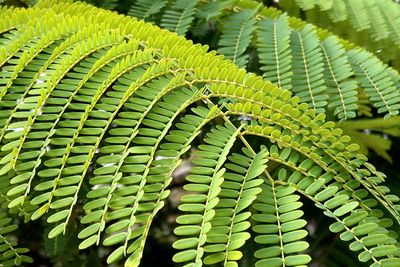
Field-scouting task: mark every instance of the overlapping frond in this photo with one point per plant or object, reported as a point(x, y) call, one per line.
point(306, 4)
point(276, 44)
point(391, 17)
point(10, 254)
point(279, 227)
point(352, 210)
point(342, 89)
point(308, 80)
point(366, 18)
point(111, 105)
point(337, 88)
point(205, 182)
point(378, 84)
point(239, 190)
point(273, 45)
point(362, 15)
point(143, 9)
point(179, 18)
point(212, 9)
point(237, 35)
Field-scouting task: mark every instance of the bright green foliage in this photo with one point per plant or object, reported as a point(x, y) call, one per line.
point(205, 182)
point(285, 58)
point(248, 28)
point(210, 10)
point(306, 4)
point(328, 57)
point(336, 200)
point(96, 101)
point(336, 91)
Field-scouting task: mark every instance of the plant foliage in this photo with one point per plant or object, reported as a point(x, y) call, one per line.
point(373, 20)
point(331, 82)
point(244, 28)
point(98, 110)
point(313, 63)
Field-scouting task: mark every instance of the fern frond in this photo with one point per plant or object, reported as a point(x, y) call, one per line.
point(280, 134)
point(143, 9)
point(307, 67)
point(156, 180)
point(280, 227)
point(230, 223)
point(325, 5)
point(338, 11)
point(189, 128)
point(379, 29)
point(392, 19)
point(265, 40)
point(306, 4)
point(10, 255)
point(356, 224)
point(352, 209)
point(122, 102)
point(358, 14)
point(377, 83)
point(212, 9)
point(376, 18)
point(273, 46)
point(180, 16)
point(205, 182)
point(80, 166)
point(342, 89)
point(43, 94)
point(236, 36)
point(109, 181)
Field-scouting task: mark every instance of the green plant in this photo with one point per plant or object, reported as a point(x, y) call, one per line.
point(373, 24)
point(331, 75)
point(98, 110)
point(243, 29)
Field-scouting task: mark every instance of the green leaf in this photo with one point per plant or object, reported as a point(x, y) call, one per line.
point(56, 230)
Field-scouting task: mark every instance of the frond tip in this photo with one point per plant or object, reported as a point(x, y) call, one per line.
point(231, 213)
point(376, 81)
point(280, 227)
